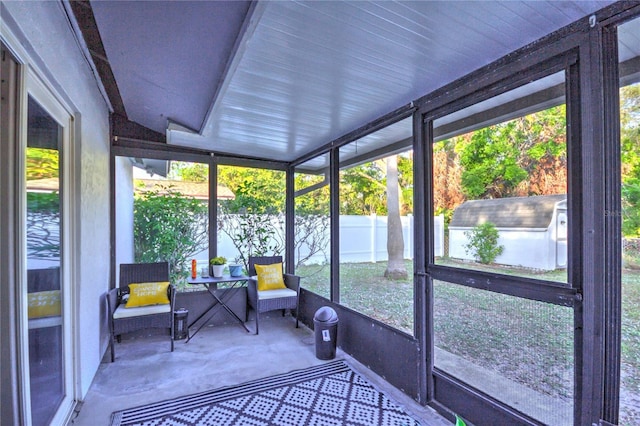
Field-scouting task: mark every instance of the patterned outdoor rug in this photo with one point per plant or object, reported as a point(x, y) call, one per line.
point(325, 395)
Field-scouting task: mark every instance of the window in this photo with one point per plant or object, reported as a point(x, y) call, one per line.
point(312, 238)
point(499, 182)
point(162, 213)
point(251, 220)
point(376, 225)
point(628, 36)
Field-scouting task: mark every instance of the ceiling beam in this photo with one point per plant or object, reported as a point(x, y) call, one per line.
point(87, 23)
point(121, 126)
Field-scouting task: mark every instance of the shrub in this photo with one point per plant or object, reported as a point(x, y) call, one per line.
point(483, 243)
point(168, 226)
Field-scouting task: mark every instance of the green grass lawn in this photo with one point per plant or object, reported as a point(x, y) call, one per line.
point(525, 341)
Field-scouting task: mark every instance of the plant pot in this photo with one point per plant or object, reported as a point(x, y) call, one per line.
point(235, 270)
point(217, 270)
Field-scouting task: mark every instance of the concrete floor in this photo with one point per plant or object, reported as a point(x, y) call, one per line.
point(146, 371)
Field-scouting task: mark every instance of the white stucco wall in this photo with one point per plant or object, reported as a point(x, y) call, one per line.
point(46, 40)
point(526, 248)
point(124, 212)
point(539, 248)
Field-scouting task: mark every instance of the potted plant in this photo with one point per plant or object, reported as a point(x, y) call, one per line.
point(235, 268)
point(217, 266)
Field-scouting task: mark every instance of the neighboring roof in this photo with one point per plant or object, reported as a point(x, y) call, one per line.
point(516, 212)
point(198, 190)
point(43, 185)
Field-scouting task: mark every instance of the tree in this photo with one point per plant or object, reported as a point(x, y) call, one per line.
point(405, 179)
point(490, 163)
point(188, 171)
point(42, 163)
point(630, 153)
point(311, 236)
point(253, 222)
point(362, 189)
point(396, 268)
point(522, 157)
point(447, 190)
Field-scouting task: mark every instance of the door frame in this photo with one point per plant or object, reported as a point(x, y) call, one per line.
point(33, 80)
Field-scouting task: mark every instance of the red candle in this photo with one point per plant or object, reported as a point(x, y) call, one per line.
point(193, 269)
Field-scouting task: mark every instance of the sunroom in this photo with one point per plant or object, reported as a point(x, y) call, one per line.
point(341, 136)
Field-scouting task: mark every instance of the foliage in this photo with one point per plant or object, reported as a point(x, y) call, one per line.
point(490, 163)
point(362, 190)
point(630, 203)
point(363, 187)
point(483, 243)
point(42, 163)
point(405, 180)
point(218, 260)
point(188, 171)
point(314, 202)
point(522, 157)
point(168, 226)
point(253, 219)
point(630, 153)
point(257, 191)
point(311, 235)
point(43, 202)
point(447, 191)
point(447, 214)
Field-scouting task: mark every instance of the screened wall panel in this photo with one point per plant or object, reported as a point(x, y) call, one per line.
point(517, 351)
point(312, 237)
point(629, 52)
point(500, 181)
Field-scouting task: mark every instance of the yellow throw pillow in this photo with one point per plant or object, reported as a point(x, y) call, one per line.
point(270, 277)
point(145, 294)
point(44, 304)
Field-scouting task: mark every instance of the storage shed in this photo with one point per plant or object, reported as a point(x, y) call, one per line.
point(533, 230)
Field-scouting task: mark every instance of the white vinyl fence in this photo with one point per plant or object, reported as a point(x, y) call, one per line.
point(362, 239)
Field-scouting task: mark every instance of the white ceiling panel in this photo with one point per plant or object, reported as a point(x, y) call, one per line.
point(306, 73)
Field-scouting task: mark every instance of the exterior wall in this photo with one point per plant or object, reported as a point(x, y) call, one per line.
point(529, 248)
point(46, 37)
point(124, 212)
point(537, 248)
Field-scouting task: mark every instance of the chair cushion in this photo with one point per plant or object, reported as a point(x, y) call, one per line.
point(124, 312)
point(44, 304)
point(270, 277)
point(276, 294)
point(145, 294)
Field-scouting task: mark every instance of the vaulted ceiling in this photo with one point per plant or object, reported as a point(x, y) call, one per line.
point(278, 79)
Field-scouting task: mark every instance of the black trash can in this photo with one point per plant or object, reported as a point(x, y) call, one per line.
point(325, 326)
point(180, 324)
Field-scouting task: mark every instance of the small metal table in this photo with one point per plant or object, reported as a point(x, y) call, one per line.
point(233, 284)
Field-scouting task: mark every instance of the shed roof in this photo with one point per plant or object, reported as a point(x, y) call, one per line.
point(516, 212)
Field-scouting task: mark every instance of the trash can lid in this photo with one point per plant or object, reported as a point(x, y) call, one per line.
point(325, 314)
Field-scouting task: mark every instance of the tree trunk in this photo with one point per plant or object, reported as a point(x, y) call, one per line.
point(396, 269)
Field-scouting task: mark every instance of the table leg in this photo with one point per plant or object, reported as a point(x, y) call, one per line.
point(217, 301)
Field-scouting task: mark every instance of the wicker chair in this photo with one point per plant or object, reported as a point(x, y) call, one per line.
point(271, 300)
point(138, 273)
